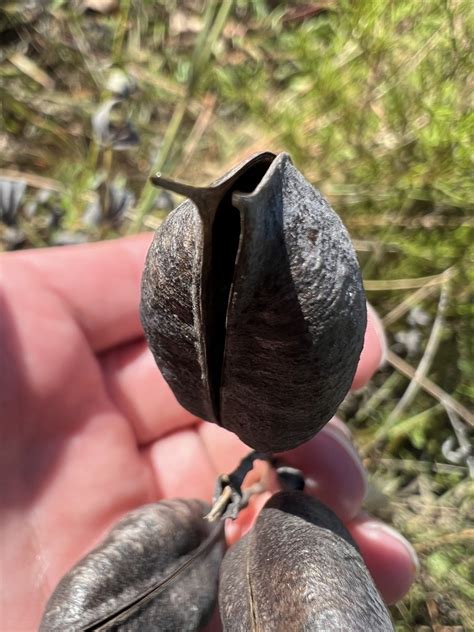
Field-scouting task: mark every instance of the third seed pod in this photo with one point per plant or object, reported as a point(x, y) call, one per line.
point(157, 569)
point(253, 305)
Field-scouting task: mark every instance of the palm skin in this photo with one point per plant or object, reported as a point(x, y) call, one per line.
point(90, 430)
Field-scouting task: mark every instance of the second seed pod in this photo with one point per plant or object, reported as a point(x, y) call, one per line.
point(298, 569)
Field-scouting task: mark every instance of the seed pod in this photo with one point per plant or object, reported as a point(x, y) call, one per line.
point(145, 548)
point(252, 304)
point(298, 569)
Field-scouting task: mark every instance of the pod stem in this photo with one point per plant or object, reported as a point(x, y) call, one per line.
point(229, 498)
point(203, 197)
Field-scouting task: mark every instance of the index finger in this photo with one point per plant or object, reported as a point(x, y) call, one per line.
point(98, 283)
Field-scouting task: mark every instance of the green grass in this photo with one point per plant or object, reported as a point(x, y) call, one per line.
point(372, 100)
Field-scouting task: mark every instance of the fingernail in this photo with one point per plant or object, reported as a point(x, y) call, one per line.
point(396, 535)
point(380, 331)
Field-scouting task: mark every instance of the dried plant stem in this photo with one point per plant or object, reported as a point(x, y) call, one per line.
point(220, 505)
point(228, 497)
point(424, 292)
point(448, 402)
point(372, 246)
point(200, 126)
point(214, 21)
point(414, 223)
point(430, 387)
point(424, 467)
point(31, 179)
point(467, 535)
point(464, 451)
point(407, 284)
point(425, 362)
point(28, 67)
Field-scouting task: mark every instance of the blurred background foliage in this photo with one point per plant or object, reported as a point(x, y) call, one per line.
point(373, 100)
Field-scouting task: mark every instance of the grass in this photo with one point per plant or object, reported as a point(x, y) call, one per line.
point(372, 100)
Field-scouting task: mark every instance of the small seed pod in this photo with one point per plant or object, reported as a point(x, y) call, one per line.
point(156, 570)
point(298, 569)
point(252, 304)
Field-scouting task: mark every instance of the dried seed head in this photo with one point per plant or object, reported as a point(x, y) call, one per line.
point(142, 550)
point(298, 569)
point(252, 304)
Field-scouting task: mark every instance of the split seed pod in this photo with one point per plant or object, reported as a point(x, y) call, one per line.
point(138, 579)
point(252, 303)
point(298, 569)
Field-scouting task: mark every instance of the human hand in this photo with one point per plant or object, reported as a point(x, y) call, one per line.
point(91, 430)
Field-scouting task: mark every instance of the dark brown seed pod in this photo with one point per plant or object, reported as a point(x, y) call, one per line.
point(298, 569)
point(156, 570)
point(252, 303)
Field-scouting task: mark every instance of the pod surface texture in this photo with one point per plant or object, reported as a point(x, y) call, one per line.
point(253, 305)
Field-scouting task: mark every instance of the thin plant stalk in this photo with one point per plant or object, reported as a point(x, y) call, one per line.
point(214, 21)
point(426, 361)
point(148, 194)
point(430, 387)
